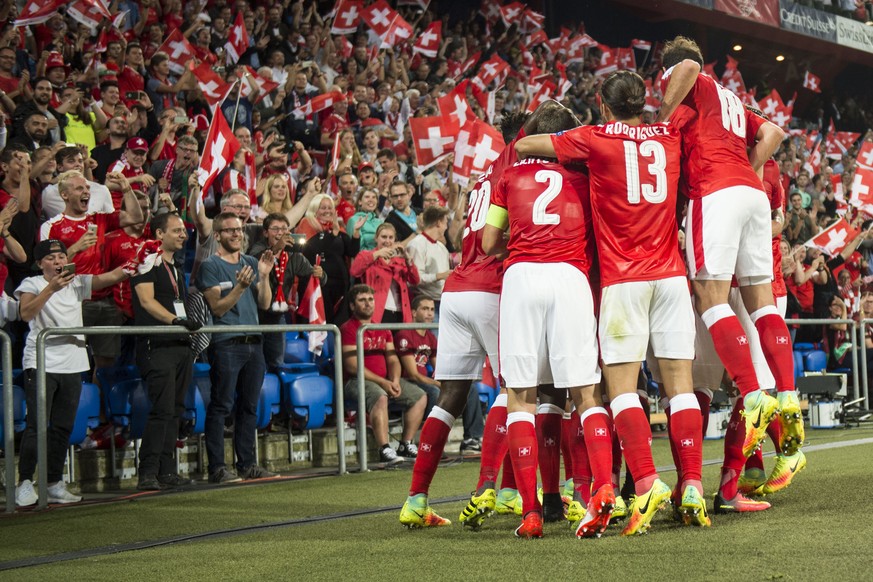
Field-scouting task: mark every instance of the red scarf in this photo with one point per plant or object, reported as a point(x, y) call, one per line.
point(326, 226)
point(280, 305)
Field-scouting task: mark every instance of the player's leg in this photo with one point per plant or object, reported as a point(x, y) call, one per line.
point(550, 414)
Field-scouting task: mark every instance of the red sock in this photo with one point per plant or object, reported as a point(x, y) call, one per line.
point(493, 442)
point(704, 400)
point(755, 460)
point(776, 345)
point(687, 435)
point(523, 450)
point(548, 425)
point(674, 451)
point(635, 435)
point(433, 439)
point(581, 467)
point(774, 431)
point(507, 480)
point(598, 440)
point(617, 456)
point(733, 452)
point(732, 346)
point(567, 430)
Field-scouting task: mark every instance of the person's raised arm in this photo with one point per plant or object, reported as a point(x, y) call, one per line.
point(682, 79)
point(768, 139)
point(535, 145)
point(130, 213)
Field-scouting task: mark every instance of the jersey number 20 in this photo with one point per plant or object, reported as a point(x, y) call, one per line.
point(647, 149)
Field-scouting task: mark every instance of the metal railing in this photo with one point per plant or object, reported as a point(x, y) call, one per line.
point(862, 341)
point(8, 420)
point(41, 412)
point(362, 405)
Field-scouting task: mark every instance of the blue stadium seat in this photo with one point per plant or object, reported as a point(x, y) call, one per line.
point(87, 414)
point(804, 347)
point(268, 402)
point(487, 394)
point(815, 361)
point(19, 413)
point(798, 364)
point(108, 377)
point(297, 349)
point(325, 361)
point(308, 399)
point(129, 405)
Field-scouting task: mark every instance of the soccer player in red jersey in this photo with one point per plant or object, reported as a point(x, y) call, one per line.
point(728, 232)
point(547, 324)
point(634, 172)
point(468, 332)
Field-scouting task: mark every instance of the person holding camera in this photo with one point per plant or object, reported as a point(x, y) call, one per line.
point(84, 120)
point(165, 361)
point(390, 272)
point(289, 267)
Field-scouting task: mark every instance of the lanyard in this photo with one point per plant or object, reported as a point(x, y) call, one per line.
point(172, 278)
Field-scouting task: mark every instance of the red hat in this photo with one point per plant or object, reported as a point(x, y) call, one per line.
point(366, 165)
point(54, 60)
point(137, 143)
point(201, 122)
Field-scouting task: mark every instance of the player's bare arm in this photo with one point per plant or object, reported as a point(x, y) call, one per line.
point(769, 137)
point(535, 145)
point(682, 79)
point(493, 234)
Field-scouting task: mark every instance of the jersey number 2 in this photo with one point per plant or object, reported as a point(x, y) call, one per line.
point(648, 149)
point(554, 181)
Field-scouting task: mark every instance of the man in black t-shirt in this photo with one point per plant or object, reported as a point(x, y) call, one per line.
point(165, 361)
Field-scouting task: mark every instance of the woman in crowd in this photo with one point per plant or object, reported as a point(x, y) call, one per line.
point(275, 196)
point(390, 272)
point(368, 202)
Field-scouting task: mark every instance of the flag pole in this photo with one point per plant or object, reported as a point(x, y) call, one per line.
point(236, 106)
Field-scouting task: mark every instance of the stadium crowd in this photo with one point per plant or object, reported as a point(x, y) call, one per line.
point(104, 133)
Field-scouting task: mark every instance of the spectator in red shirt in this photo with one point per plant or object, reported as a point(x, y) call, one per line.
point(417, 350)
point(131, 167)
point(337, 120)
point(122, 245)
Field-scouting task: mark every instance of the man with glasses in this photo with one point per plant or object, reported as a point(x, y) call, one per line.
point(235, 286)
point(402, 215)
point(172, 174)
point(130, 165)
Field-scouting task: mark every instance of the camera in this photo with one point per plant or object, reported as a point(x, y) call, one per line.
point(296, 242)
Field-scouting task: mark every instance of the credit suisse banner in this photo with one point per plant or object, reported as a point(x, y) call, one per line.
point(855, 34)
point(764, 11)
point(808, 21)
point(702, 3)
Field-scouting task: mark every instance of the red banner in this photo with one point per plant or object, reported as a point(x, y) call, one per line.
point(765, 11)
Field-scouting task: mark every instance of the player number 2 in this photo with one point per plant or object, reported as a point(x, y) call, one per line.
point(647, 149)
point(733, 114)
point(555, 181)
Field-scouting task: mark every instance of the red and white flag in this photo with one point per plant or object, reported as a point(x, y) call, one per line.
point(237, 40)
point(89, 12)
point(542, 93)
point(531, 20)
point(386, 23)
point(433, 138)
point(778, 112)
point(38, 11)
point(477, 146)
point(494, 70)
point(811, 82)
point(399, 32)
point(643, 45)
point(428, 42)
point(834, 238)
point(347, 17)
point(312, 307)
point(455, 102)
point(608, 61)
point(320, 102)
point(213, 87)
point(862, 187)
point(865, 155)
point(626, 59)
point(490, 9)
point(468, 64)
point(265, 86)
point(731, 79)
point(511, 13)
point(839, 142)
point(218, 151)
point(179, 50)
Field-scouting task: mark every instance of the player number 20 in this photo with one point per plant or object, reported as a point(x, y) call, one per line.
point(647, 149)
point(480, 200)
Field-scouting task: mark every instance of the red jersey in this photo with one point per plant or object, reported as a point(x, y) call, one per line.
point(634, 174)
point(776, 195)
point(375, 345)
point(118, 248)
point(422, 347)
point(129, 171)
point(714, 144)
point(549, 213)
point(68, 230)
point(478, 271)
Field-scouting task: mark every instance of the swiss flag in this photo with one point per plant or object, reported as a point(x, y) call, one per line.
point(608, 61)
point(428, 42)
point(643, 45)
point(89, 12)
point(490, 9)
point(778, 112)
point(865, 155)
point(494, 69)
point(320, 102)
point(576, 50)
point(811, 82)
point(709, 69)
point(839, 142)
point(399, 31)
point(433, 138)
point(312, 306)
point(179, 50)
point(478, 145)
point(542, 93)
point(237, 40)
point(455, 102)
point(732, 80)
point(531, 20)
point(37, 11)
point(347, 17)
point(539, 37)
point(218, 151)
point(834, 238)
point(214, 89)
point(511, 13)
point(266, 86)
point(468, 64)
point(626, 58)
point(345, 47)
point(862, 187)
point(486, 101)
point(386, 23)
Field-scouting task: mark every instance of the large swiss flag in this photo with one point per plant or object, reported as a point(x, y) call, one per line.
point(433, 138)
point(237, 40)
point(834, 238)
point(179, 50)
point(218, 151)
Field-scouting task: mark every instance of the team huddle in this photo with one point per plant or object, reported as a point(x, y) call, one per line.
point(572, 243)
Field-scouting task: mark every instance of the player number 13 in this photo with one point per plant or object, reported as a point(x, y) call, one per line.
point(656, 193)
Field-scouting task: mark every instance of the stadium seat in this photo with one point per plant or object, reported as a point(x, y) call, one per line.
point(487, 395)
point(308, 399)
point(804, 347)
point(325, 361)
point(268, 402)
point(19, 413)
point(296, 349)
point(87, 414)
point(108, 377)
point(815, 361)
point(798, 364)
point(129, 406)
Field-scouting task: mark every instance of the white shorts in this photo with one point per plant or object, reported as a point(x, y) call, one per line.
point(728, 233)
point(467, 333)
point(635, 313)
point(547, 324)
